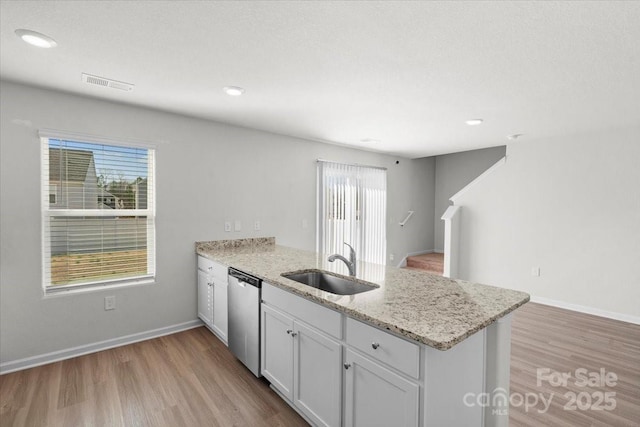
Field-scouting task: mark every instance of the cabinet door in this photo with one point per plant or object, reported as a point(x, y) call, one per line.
point(220, 311)
point(277, 350)
point(205, 294)
point(317, 376)
point(377, 396)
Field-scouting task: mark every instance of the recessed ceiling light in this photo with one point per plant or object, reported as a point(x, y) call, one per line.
point(233, 90)
point(36, 39)
point(369, 141)
point(474, 122)
point(514, 136)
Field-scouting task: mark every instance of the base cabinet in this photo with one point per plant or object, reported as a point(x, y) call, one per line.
point(205, 297)
point(317, 376)
point(336, 370)
point(375, 396)
point(212, 296)
point(277, 350)
point(220, 308)
point(304, 365)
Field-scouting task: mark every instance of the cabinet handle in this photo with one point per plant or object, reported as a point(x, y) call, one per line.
point(347, 365)
point(294, 334)
point(289, 331)
point(375, 345)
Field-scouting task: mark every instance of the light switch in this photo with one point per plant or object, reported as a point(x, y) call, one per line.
point(535, 271)
point(227, 226)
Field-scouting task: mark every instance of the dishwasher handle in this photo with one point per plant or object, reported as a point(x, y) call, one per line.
point(243, 277)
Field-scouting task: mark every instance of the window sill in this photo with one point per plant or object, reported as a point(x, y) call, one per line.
point(98, 287)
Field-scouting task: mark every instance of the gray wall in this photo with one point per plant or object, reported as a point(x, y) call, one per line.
point(207, 173)
point(568, 205)
point(412, 191)
point(453, 173)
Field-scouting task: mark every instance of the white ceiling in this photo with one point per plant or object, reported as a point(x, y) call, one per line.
point(408, 74)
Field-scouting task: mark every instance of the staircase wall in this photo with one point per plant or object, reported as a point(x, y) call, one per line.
point(570, 206)
point(454, 172)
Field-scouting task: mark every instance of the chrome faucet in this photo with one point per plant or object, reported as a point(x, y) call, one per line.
point(351, 262)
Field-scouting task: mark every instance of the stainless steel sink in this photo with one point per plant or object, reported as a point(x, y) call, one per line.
point(330, 282)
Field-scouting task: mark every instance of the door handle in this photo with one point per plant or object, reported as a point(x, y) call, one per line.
point(347, 365)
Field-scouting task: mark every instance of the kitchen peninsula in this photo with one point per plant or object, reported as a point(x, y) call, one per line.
point(419, 349)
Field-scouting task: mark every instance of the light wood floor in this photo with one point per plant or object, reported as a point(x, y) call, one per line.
point(431, 262)
point(185, 379)
point(563, 341)
point(191, 379)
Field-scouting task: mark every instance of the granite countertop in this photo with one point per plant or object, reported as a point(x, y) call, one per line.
point(427, 308)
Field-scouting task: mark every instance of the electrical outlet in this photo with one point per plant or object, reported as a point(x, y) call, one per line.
point(227, 226)
point(110, 303)
point(391, 257)
point(238, 225)
point(256, 225)
point(535, 271)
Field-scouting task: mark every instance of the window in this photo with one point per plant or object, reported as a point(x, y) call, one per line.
point(352, 204)
point(98, 214)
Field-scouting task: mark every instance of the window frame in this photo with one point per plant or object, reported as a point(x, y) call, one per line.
point(47, 212)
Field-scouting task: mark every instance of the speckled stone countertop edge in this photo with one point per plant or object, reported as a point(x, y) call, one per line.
point(253, 242)
point(439, 345)
point(449, 344)
point(226, 250)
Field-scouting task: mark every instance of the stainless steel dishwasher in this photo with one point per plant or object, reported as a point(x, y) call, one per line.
point(244, 318)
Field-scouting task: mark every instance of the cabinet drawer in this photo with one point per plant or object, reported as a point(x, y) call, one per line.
point(325, 319)
point(380, 345)
point(212, 268)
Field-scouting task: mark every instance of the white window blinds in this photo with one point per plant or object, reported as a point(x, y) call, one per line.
point(98, 214)
point(352, 205)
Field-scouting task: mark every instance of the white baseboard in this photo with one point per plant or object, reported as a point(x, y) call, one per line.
point(587, 310)
point(403, 261)
point(55, 356)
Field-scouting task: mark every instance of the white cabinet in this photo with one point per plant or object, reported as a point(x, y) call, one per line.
point(277, 350)
point(303, 364)
point(212, 296)
point(385, 380)
point(317, 375)
point(205, 297)
point(383, 347)
point(220, 310)
point(376, 396)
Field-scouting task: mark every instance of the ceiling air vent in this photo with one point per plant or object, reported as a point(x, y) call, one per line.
point(101, 81)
